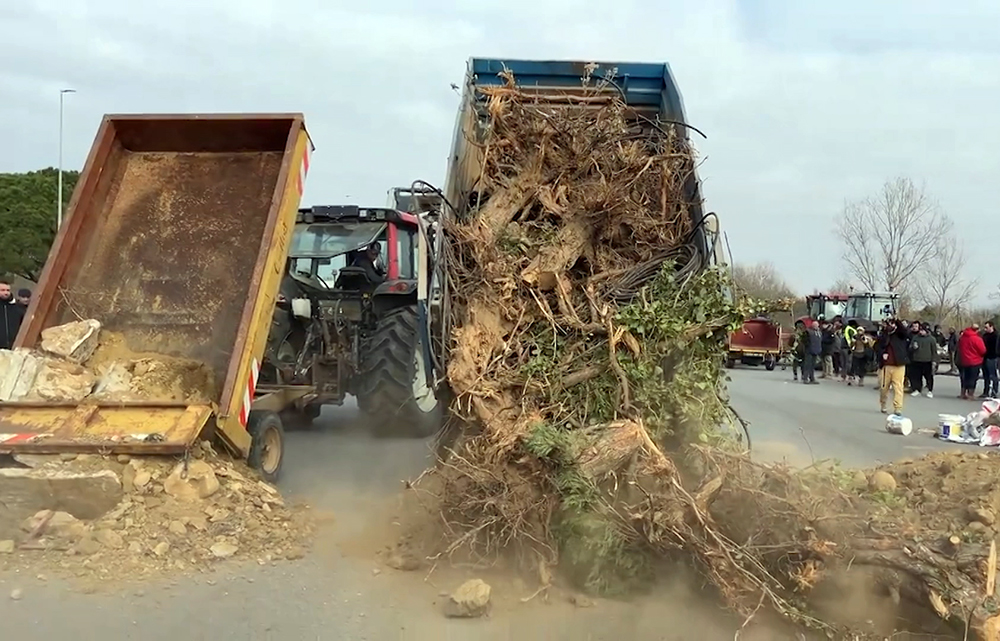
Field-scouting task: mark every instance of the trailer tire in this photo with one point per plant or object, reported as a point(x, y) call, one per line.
point(267, 447)
point(769, 366)
point(391, 389)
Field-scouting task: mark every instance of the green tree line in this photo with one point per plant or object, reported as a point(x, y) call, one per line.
point(28, 210)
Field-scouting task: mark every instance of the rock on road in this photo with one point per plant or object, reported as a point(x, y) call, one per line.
point(340, 591)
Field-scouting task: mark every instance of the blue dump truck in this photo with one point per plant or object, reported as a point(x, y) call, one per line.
point(652, 100)
point(647, 88)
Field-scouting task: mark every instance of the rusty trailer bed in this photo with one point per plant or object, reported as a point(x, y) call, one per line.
point(175, 238)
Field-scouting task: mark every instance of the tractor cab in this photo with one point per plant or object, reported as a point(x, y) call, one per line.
point(329, 244)
point(826, 306)
point(869, 309)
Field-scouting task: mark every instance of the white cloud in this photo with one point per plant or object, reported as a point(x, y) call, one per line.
point(804, 104)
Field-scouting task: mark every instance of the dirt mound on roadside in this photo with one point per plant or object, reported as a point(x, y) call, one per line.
point(175, 516)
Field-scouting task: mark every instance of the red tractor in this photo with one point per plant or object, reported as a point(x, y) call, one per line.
point(360, 313)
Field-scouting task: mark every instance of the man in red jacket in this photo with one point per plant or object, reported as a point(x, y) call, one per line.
point(970, 353)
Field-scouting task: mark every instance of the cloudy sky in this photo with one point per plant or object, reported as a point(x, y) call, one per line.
point(804, 103)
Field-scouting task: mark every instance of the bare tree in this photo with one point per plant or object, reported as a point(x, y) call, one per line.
point(942, 287)
point(761, 281)
point(842, 286)
point(890, 237)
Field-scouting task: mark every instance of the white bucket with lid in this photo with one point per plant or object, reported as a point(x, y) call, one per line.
point(949, 425)
point(896, 424)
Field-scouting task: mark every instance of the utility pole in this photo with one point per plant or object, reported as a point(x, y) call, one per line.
point(62, 95)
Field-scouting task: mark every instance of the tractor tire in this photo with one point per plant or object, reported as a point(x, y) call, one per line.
point(391, 388)
point(267, 447)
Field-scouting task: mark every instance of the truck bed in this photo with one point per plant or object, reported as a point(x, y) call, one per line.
point(648, 90)
point(757, 336)
point(167, 241)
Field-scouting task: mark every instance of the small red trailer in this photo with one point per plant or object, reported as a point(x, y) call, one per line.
point(757, 342)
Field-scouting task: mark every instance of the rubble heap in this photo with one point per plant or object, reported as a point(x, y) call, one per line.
point(586, 364)
point(79, 361)
point(162, 515)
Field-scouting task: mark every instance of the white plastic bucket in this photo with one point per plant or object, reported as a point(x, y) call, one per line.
point(949, 424)
point(901, 425)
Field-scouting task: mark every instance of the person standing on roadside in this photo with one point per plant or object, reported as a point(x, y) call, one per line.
point(827, 347)
point(893, 349)
point(846, 342)
point(24, 297)
point(969, 355)
point(800, 341)
point(814, 349)
point(860, 348)
point(939, 336)
point(952, 350)
point(989, 360)
point(923, 349)
point(11, 315)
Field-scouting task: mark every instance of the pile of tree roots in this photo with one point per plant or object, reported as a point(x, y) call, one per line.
point(586, 365)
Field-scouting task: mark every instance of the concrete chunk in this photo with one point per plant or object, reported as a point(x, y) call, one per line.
point(62, 381)
point(75, 341)
point(18, 370)
point(115, 383)
point(24, 492)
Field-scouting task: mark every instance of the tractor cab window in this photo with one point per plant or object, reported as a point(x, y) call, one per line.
point(406, 250)
point(859, 307)
point(325, 240)
point(320, 250)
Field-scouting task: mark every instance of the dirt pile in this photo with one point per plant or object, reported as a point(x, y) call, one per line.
point(174, 516)
point(586, 363)
point(79, 361)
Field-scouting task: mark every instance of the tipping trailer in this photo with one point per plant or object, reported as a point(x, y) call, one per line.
point(653, 101)
point(176, 237)
point(648, 90)
point(758, 342)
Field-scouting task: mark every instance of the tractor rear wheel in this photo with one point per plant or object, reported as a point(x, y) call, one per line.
point(392, 386)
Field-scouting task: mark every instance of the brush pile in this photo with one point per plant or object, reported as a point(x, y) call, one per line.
point(590, 333)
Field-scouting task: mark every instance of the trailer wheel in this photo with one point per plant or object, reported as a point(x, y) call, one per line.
point(769, 365)
point(267, 449)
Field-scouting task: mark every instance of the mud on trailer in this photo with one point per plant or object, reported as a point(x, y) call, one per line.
point(176, 238)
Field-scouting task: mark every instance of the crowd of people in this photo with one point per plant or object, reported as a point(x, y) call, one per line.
point(12, 311)
point(904, 356)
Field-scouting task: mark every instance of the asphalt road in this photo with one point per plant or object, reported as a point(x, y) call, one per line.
point(341, 592)
point(802, 423)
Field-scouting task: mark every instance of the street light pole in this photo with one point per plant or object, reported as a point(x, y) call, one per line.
point(62, 95)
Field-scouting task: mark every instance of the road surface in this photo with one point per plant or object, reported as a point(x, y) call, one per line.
point(802, 423)
point(341, 592)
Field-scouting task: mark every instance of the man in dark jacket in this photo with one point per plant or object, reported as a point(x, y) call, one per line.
point(923, 350)
point(11, 315)
point(369, 261)
point(952, 349)
point(990, 360)
point(814, 348)
point(893, 350)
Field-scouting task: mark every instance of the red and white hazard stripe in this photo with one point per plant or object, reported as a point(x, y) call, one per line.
point(303, 169)
point(11, 439)
point(248, 392)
